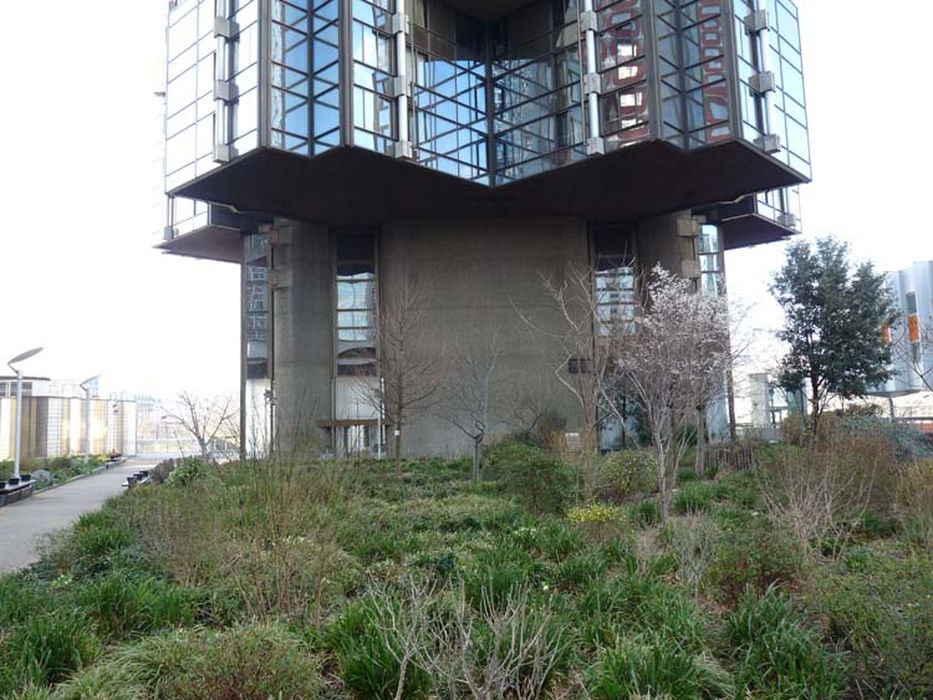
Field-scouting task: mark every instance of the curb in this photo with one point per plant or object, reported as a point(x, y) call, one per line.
point(93, 472)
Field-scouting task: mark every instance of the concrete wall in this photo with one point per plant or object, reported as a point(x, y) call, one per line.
point(481, 278)
point(482, 293)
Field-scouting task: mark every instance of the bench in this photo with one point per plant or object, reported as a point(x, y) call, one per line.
point(13, 489)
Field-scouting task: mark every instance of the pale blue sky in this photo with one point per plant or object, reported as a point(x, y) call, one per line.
point(80, 155)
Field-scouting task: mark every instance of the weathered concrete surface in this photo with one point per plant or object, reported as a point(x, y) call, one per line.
point(23, 524)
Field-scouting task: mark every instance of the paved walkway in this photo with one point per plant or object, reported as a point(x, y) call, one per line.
point(23, 524)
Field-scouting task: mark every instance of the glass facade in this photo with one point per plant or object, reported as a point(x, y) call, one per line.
point(542, 87)
point(781, 110)
point(449, 129)
point(536, 81)
point(615, 270)
point(356, 304)
point(256, 302)
point(712, 261)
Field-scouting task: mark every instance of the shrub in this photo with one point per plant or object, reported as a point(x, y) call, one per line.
point(600, 522)
point(777, 655)
point(186, 471)
point(757, 556)
point(651, 668)
point(627, 473)
point(693, 498)
point(539, 481)
point(877, 601)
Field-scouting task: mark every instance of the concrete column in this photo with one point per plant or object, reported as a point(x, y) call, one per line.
point(302, 284)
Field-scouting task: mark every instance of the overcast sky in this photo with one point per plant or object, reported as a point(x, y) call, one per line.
point(80, 157)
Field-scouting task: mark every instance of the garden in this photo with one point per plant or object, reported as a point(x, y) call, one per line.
point(807, 575)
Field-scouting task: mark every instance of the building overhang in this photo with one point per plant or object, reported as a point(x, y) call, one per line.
point(353, 187)
point(751, 230)
point(487, 10)
point(219, 243)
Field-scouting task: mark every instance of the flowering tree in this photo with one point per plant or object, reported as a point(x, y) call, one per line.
point(670, 359)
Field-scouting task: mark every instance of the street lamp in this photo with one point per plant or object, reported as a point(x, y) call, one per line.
point(19, 404)
point(86, 386)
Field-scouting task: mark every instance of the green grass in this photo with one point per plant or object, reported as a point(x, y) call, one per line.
point(296, 580)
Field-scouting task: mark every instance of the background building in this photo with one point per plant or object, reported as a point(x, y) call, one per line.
point(54, 425)
point(342, 152)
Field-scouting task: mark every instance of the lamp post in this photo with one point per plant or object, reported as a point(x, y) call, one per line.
point(19, 404)
point(87, 385)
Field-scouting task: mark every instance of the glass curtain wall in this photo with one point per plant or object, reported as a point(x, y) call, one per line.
point(622, 63)
point(256, 296)
point(536, 78)
point(694, 73)
point(615, 272)
point(189, 91)
point(305, 75)
point(449, 125)
point(374, 66)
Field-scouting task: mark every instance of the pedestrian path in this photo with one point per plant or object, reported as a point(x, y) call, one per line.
point(23, 524)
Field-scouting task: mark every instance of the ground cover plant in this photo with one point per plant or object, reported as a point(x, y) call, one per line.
point(350, 580)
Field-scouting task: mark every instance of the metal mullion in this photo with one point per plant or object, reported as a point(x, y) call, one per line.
point(345, 53)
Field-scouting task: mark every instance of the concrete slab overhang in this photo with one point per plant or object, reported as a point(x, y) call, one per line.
point(354, 187)
point(219, 243)
point(487, 10)
point(750, 230)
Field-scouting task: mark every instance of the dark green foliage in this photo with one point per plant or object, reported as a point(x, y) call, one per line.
point(834, 316)
point(694, 498)
point(739, 489)
point(495, 574)
point(538, 480)
point(650, 667)
point(757, 556)
point(627, 473)
point(122, 605)
point(46, 647)
point(646, 513)
point(778, 656)
point(877, 600)
point(98, 543)
point(639, 602)
point(186, 471)
point(359, 642)
point(316, 558)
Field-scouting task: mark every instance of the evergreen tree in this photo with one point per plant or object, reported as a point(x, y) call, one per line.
point(834, 320)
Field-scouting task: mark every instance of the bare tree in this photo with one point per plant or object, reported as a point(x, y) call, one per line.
point(468, 393)
point(671, 358)
point(410, 363)
point(206, 420)
point(584, 360)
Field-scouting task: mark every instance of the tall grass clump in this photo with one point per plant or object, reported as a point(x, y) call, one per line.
point(46, 648)
point(777, 655)
point(651, 667)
